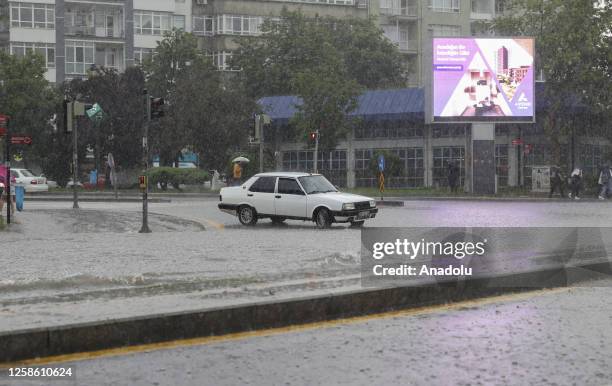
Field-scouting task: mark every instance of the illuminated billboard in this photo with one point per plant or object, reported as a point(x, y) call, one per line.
point(483, 80)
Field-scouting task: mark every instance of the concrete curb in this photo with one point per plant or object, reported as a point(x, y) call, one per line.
point(43, 342)
point(390, 202)
point(506, 199)
point(95, 199)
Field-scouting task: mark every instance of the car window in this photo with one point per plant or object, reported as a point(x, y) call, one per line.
point(14, 174)
point(27, 173)
point(289, 186)
point(316, 184)
point(263, 185)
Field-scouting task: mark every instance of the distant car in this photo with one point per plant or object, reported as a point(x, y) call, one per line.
point(29, 181)
point(182, 165)
point(299, 196)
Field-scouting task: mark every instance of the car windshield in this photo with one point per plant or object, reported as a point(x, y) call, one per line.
point(27, 173)
point(316, 184)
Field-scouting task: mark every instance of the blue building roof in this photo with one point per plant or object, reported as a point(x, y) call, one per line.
point(397, 104)
point(404, 104)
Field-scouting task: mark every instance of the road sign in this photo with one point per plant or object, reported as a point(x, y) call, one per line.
point(381, 163)
point(517, 141)
point(94, 111)
point(3, 119)
point(21, 140)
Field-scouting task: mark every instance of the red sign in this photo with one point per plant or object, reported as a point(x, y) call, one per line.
point(2, 131)
point(21, 140)
point(3, 119)
point(517, 141)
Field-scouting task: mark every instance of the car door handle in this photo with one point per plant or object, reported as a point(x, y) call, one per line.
point(250, 194)
point(278, 196)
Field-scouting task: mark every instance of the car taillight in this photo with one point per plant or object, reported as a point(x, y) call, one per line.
point(33, 182)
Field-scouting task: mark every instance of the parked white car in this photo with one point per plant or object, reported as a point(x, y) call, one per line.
point(29, 181)
point(299, 196)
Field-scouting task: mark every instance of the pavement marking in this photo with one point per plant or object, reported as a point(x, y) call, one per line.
point(144, 348)
point(214, 224)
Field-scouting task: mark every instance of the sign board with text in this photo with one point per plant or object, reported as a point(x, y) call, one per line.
point(483, 80)
point(21, 140)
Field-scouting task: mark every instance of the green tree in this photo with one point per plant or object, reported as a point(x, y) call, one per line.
point(573, 52)
point(30, 101)
point(204, 113)
point(121, 97)
point(327, 62)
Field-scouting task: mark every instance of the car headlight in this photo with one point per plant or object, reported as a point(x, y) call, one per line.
point(349, 206)
point(372, 203)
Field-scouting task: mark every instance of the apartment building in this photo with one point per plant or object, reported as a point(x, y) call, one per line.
point(75, 35)
point(218, 23)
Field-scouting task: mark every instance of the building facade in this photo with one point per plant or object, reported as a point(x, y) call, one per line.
point(75, 35)
point(392, 121)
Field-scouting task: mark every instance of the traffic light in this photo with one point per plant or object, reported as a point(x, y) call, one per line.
point(313, 135)
point(68, 116)
point(157, 108)
point(142, 182)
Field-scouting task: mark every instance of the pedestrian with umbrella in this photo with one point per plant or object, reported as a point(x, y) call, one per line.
point(237, 169)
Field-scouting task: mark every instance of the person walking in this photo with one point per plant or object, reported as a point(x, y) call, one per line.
point(576, 183)
point(556, 182)
point(237, 173)
point(605, 180)
point(453, 177)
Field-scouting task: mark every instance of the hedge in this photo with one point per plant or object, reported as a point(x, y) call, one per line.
point(165, 176)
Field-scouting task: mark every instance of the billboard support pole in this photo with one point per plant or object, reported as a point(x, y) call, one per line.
point(483, 159)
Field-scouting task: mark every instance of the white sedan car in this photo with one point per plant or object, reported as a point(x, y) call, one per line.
point(29, 181)
point(299, 196)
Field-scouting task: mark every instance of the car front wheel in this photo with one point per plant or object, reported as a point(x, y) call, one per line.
point(323, 219)
point(247, 215)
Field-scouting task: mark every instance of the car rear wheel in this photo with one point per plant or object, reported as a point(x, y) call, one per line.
point(247, 215)
point(323, 218)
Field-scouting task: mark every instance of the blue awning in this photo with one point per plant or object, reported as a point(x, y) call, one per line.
point(398, 104)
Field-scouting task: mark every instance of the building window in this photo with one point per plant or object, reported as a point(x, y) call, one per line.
point(238, 25)
point(179, 22)
point(151, 23)
point(32, 15)
point(331, 164)
point(412, 168)
point(79, 56)
point(47, 51)
point(221, 60)
point(442, 157)
point(591, 158)
point(447, 131)
point(445, 30)
point(203, 25)
point(388, 129)
point(501, 164)
point(142, 54)
point(445, 5)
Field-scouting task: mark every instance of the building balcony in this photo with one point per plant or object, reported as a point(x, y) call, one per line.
point(407, 12)
point(482, 10)
point(408, 46)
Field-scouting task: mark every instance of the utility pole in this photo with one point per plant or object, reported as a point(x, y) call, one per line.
point(145, 164)
point(75, 154)
point(259, 129)
point(316, 152)
point(8, 171)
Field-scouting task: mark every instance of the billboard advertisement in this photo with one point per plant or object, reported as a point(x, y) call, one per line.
point(483, 80)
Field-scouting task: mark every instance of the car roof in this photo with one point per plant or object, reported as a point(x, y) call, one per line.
point(285, 174)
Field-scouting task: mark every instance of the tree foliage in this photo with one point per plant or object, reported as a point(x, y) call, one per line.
point(327, 62)
point(573, 51)
point(120, 96)
point(30, 101)
point(203, 113)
